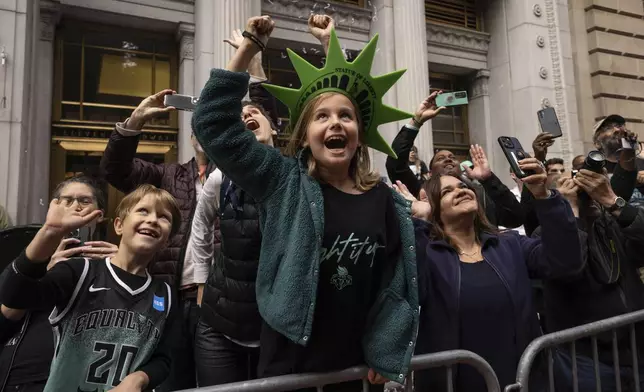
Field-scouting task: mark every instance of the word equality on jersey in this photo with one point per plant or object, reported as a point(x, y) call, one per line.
point(107, 330)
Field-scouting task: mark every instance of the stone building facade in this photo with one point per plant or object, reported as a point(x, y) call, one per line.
point(70, 68)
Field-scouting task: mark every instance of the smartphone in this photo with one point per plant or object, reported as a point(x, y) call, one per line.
point(549, 121)
point(452, 99)
point(181, 102)
point(514, 152)
point(83, 235)
point(573, 173)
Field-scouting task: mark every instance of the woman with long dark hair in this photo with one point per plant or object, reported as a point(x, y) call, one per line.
point(474, 281)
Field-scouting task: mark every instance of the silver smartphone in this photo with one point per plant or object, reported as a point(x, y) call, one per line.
point(181, 102)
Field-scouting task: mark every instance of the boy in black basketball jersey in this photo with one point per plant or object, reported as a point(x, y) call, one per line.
point(110, 318)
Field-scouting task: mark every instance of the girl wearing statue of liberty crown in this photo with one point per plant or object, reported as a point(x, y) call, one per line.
point(336, 283)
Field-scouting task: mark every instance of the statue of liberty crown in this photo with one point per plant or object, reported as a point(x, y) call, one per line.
point(352, 79)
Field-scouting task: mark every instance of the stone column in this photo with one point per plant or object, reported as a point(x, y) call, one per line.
point(19, 21)
point(40, 130)
point(382, 23)
point(230, 15)
point(411, 53)
point(203, 42)
point(214, 21)
point(530, 63)
point(185, 36)
point(402, 44)
point(479, 112)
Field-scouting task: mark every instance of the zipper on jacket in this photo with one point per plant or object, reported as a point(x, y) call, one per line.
point(507, 288)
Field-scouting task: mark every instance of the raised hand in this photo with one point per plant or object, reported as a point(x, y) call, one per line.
point(540, 145)
point(149, 108)
point(63, 217)
point(569, 190)
point(261, 27)
point(235, 39)
point(320, 26)
point(536, 183)
point(481, 170)
point(597, 186)
point(420, 209)
point(427, 109)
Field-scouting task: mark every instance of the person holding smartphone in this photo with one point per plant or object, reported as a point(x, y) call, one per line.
point(185, 182)
point(501, 206)
point(26, 335)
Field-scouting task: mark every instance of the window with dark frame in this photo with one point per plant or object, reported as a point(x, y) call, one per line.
point(461, 13)
point(104, 73)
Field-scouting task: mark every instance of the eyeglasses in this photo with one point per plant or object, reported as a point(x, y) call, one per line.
point(83, 201)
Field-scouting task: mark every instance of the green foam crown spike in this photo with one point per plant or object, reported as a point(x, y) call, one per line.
point(352, 79)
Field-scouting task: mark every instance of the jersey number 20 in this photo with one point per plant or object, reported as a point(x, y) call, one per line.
point(99, 373)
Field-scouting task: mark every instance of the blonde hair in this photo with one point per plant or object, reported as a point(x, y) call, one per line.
point(160, 196)
point(360, 167)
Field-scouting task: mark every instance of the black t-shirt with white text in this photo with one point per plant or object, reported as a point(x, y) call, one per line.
point(360, 248)
point(361, 236)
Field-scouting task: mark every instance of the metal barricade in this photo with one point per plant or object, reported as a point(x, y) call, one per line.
point(547, 342)
point(318, 380)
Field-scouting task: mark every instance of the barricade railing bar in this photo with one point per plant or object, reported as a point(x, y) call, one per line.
point(551, 340)
point(318, 380)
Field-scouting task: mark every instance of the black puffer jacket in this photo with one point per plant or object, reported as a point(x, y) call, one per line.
point(229, 305)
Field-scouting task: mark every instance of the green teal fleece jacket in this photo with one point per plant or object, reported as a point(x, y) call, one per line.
point(292, 223)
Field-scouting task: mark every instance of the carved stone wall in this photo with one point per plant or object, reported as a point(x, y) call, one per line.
point(455, 46)
point(353, 23)
point(186, 37)
point(480, 84)
point(457, 38)
point(557, 75)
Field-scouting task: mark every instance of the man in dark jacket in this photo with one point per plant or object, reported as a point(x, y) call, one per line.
point(598, 291)
point(500, 204)
point(620, 164)
point(184, 181)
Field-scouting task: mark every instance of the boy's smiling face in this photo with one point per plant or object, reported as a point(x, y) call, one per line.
point(146, 228)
